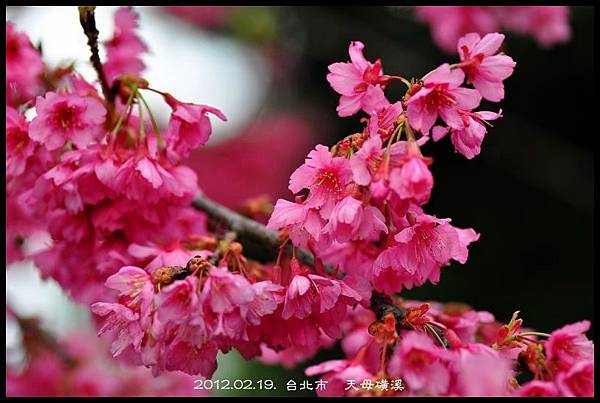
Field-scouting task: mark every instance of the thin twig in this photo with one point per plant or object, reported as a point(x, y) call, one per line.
point(34, 337)
point(260, 243)
point(88, 23)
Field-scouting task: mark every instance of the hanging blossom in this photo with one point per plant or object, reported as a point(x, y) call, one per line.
point(548, 25)
point(435, 354)
point(24, 68)
point(101, 176)
point(83, 368)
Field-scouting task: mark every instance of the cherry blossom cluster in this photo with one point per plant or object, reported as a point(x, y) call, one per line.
point(471, 354)
point(548, 25)
point(95, 170)
point(363, 212)
point(83, 368)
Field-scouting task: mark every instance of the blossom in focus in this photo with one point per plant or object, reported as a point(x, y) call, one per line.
point(352, 79)
point(484, 68)
point(62, 117)
point(441, 95)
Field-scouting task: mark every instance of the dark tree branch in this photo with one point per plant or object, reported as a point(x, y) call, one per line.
point(263, 245)
point(34, 338)
point(88, 23)
point(259, 242)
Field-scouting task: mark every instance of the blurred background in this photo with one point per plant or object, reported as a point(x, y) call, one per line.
point(529, 193)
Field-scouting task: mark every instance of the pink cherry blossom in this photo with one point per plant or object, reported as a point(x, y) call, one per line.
point(24, 67)
point(422, 248)
point(549, 25)
point(125, 49)
point(337, 374)
point(179, 302)
point(189, 126)
point(142, 177)
point(467, 140)
point(412, 181)
point(469, 378)
point(538, 389)
point(384, 115)
point(122, 325)
point(19, 147)
point(351, 220)
point(484, 68)
point(325, 176)
point(365, 162)
point(578, 381)
point(321, 299)
point(421, 364)
point(302, 223)
point(568, 345)
point(441, 95)
point(63, 117)
point(449, 23)
point(351, 79)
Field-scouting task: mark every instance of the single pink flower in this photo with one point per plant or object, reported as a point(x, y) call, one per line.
point(19, 147)
point(467, 139)
point(178, 302)
point(366, 161)
point(421, 364)
point(337, 374)
point(303, 224)
point(421, 249)
point(578, 380)
point(384, 115)
point(569, 345)
point(484, 68)
point(412, 181)
point(480, 371)
point(449, 23)
point(189, 126)
point(192, 359)
point(224, 291)
point(136, 286)
point(267, 296)
point(24, 68)
point(62, 117)
point(325, 176)
point(121, 324)
point(351, 80)
point(351, 220)
point(124, 50)
point(537, 389)
point(441, 95)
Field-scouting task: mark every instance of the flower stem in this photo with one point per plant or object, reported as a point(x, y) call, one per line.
point(115, 130)
point(161, 143)
point(534, 334)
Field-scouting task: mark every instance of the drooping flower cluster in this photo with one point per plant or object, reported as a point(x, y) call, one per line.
point(364, 207)
point(452, 350)
point(548, 25)
point(97, 173)
point(83, 368)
